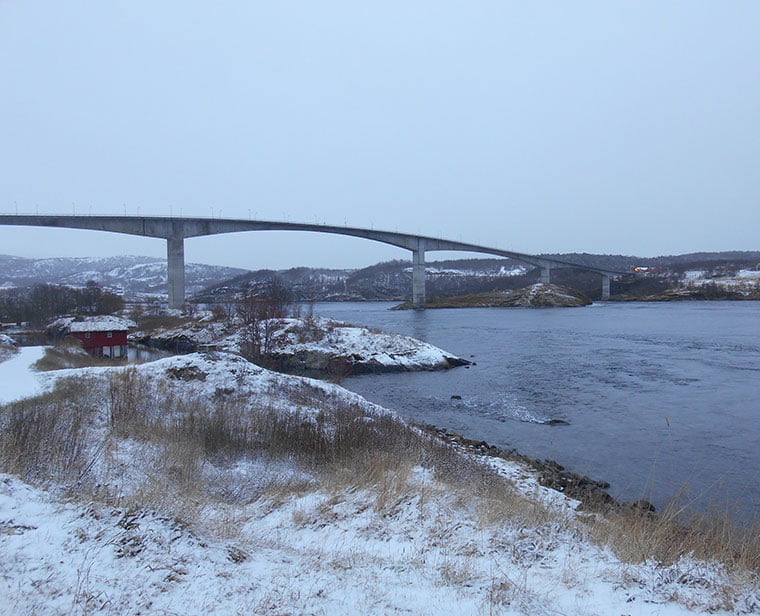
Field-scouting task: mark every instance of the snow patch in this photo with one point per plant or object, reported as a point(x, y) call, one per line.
point(17, 378)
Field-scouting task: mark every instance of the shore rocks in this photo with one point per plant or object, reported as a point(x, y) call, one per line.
point(591, 493)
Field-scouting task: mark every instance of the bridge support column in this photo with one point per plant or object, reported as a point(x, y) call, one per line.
point(605, 286)
point(175, 262)
point(546, 275)
point(418, 279)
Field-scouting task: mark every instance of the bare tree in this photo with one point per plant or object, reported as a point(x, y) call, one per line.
point(259, 313)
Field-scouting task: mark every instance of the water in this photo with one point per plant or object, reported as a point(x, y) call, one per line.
point(658, 397)
point(138, 354)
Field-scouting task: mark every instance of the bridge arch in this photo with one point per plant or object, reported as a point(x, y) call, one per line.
point(175, 230)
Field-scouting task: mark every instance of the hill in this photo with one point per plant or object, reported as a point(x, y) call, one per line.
point(392, 280)
point(127, 275)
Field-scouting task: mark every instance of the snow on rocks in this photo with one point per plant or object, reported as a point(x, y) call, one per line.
point(7, 347)
point(216, 374)
point(312, 344)
point(324, 345)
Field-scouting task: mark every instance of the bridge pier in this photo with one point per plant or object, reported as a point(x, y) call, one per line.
point(546, 275)
point(418, 279)
point(175, 270)
point(605, 286)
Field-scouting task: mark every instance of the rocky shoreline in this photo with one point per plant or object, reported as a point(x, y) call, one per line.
point(592, 494)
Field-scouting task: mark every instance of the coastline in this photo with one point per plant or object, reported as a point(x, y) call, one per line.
point(591, 493)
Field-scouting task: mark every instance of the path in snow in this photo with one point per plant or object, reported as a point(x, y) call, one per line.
point(17, 378)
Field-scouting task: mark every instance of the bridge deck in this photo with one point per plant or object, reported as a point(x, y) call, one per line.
point(176, 230)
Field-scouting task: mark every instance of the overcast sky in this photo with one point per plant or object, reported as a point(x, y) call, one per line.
point(608, 127)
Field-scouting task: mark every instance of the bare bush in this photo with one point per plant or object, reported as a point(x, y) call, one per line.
point(223, 312)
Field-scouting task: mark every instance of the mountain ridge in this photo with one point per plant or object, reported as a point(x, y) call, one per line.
point(139, 277)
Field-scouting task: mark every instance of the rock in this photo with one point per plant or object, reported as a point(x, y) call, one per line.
point(640, 506)
point(7, 341)
point(556, 422)
point(187, 373)
point(456, 397)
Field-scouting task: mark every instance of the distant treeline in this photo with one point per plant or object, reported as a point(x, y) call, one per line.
point(41, 303)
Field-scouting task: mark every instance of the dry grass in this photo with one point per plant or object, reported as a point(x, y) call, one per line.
point(678, 532)
point(341, 439)
point(343, 445)
point(45, 437)
point(341, 448)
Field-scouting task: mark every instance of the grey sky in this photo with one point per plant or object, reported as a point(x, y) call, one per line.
point(618, 127)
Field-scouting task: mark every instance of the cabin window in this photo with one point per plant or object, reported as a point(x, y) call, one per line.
point(87, 335)
point(110, 334)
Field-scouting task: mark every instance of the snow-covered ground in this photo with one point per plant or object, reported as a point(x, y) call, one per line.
point(745, 282)
point(17, 378)
point(322, 553)
point(258, 535)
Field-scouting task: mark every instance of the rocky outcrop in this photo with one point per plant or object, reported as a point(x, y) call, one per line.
point(539, 295)
point(312, 346)
point(323, 346)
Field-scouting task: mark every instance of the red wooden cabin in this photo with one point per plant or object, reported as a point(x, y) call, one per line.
point(104, 344)
point(100, 336)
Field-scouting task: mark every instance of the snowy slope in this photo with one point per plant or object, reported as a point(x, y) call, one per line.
point(129, 275)
point(410, 544)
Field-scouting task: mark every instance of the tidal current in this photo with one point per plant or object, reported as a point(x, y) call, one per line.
point(660, 399)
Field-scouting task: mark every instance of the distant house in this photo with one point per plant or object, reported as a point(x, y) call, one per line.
point(104, 336)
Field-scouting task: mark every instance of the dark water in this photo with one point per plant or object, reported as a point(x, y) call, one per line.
point(659, 397)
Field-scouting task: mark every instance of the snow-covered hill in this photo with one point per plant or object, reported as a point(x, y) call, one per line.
point(192, 485)
point(128, 275)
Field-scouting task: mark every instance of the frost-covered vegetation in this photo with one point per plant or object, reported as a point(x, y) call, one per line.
point(206, 484)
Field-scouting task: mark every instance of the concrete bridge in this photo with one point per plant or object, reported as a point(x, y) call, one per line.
point(176, 230)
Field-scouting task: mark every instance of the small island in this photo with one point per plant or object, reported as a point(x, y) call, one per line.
point(539, 295)
point(309, 345)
